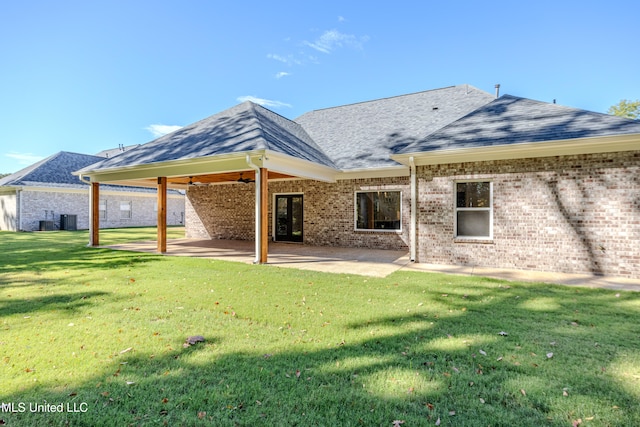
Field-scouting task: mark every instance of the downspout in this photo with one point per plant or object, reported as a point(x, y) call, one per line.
point(258, 200)
point(412, 226)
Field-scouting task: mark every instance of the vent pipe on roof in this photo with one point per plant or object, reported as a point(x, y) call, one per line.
point(498, 90)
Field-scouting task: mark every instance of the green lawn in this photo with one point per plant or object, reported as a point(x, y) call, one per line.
point(101, 332)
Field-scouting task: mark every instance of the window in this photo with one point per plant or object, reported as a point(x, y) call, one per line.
point(378, 210)
point(102, 209)
point(474, 209)
point(125, 210)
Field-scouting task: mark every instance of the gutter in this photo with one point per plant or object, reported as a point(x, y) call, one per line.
point(258, 237)
point(414, 205)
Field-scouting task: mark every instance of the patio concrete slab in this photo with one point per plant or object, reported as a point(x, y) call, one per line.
point(366, 262)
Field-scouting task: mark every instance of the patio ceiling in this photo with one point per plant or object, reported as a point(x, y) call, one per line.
point(182, 182)
point(225, 178)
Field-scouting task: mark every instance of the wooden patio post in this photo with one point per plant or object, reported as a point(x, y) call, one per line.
point(264, 215)
point(162, 214)
point(94, 221)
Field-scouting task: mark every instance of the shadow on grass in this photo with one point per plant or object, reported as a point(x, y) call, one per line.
point(36, 252)
point(419, 367)
point(69, 302)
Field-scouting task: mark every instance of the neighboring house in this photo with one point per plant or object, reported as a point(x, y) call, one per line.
point(453, 175)
point(46, 196)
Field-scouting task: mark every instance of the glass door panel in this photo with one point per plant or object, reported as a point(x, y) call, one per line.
point(289, 218)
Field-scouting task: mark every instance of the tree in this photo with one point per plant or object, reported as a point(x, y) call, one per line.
point(626, 109)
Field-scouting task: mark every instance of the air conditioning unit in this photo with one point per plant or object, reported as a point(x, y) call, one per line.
point(68, 222)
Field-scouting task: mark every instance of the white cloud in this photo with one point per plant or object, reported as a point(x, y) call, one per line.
point(332, 39)
point(328, 42)
point(277, 57)
point(341, 19)
point(160, 130)
point(289, 59)
point(263, 102)
point(24, 158)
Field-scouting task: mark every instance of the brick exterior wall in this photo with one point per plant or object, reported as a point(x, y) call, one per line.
point(227, 211)
point(573, 214)
point(49, 205)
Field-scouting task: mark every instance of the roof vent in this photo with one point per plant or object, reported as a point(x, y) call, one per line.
point(498, 90)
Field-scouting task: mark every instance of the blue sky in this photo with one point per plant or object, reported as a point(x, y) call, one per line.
point(84, 76)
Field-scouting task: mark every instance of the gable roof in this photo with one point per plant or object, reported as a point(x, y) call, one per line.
point(512, 120)
point(365, 134)
point(379, 137)
point(55, 170)
point(243, 128)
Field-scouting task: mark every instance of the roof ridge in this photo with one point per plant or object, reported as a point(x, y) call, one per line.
point(298, 128)
point(393, 97)
point(267, 109)
point(18, 175)
point(254, 112)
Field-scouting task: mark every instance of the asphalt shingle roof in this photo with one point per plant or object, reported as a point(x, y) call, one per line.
point(56, 172)
point(365, 134)
point(244, 127)
point(55, 169)
point(511, 120)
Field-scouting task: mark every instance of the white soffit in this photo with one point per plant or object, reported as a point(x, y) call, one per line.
point(385, 172)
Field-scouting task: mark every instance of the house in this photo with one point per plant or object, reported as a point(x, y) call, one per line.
point(46, 196)
point(454, 175)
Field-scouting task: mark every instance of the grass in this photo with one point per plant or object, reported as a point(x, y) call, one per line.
point(101, 332)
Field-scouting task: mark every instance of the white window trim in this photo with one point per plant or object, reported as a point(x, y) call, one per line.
point(375, 230)
point(130, 210)
point(102, 213)
point(456, 209)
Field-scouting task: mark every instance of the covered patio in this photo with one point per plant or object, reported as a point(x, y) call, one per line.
point(244, 144)
point(361, 261)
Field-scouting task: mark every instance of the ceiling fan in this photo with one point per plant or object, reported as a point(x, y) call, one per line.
point(245, 180)
point(193, 183)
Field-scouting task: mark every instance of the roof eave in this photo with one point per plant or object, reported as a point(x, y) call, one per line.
point(567, 147)
point(374, 172)
point(235, 162)
point(172, 168)
point(10, 188)
point(290, 165)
